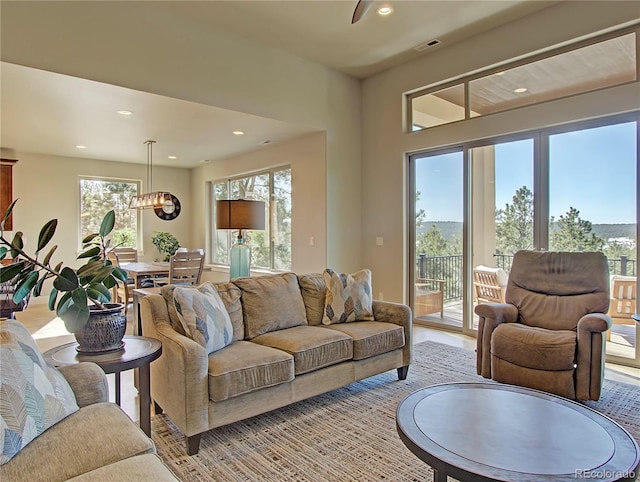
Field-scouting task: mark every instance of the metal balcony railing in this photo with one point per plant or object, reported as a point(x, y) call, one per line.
point(449, 269)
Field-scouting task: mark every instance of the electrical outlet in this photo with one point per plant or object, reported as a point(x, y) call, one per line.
point(379, 241)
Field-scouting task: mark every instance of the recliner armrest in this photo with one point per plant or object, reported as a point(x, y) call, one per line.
point(88, 382)
point(501, 312)
point(594, 322)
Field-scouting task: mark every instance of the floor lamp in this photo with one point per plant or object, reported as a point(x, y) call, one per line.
point(240, 214)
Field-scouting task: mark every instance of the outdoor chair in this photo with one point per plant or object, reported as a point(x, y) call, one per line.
point(489, 284)
point(549, 333)
point(623, 301)
point(429, 297)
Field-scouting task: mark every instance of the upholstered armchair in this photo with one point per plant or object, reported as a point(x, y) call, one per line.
point(549, 334)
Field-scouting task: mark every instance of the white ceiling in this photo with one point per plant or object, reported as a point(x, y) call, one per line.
point(50, 113)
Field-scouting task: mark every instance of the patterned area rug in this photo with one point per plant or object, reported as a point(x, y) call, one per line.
point(346, 435)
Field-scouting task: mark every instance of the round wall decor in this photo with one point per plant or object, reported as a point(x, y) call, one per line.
point(169, 210)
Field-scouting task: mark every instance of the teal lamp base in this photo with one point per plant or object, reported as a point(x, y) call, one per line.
point(239, 259)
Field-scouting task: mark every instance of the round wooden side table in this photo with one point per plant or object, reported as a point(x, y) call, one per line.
point(138, 352)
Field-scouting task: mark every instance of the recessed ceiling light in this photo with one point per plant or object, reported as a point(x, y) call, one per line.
point(264, 142)
point(205, 161)
point(81, 147)
point(385, 10)
point(520, 90)
point(172, 157)
point(125, 112)
point(238, 133)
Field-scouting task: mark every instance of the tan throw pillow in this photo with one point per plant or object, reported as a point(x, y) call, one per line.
point(348, 297)
point(314, 292)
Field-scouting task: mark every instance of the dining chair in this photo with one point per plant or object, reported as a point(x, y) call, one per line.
point(123, 291)
point(185, 268)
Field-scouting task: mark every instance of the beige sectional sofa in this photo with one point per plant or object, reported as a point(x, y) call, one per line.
point(97, 442)
point(281, 352)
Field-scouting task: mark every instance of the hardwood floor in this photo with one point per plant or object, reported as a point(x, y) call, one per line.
point(49, 331)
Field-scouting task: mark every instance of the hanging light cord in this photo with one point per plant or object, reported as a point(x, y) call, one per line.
point(149, 144)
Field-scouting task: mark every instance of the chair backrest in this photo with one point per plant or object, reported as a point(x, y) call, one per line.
point(185, 267)
point(554, 290)
point(489, 284)
point(623, 297)
point(126, 255)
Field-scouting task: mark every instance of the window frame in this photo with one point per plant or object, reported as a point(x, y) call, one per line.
point(466, 79)
point(270, 217)
point(107, 179)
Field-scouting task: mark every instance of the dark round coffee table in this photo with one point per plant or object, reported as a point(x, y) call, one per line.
point(138, 352)
point(485, 432)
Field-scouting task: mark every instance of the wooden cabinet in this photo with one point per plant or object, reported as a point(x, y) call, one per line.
point(6, 189)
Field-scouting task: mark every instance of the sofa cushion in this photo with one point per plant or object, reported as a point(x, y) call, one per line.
point(314, 291)
point(141, 467)
point(203, 316)
point(34, 396)
point(271, 303)
point(230, 295)
point(533, 347)
point(244, 366)
point(348, 297)
point(312, 347)
point(94, 436)
point(371, 338)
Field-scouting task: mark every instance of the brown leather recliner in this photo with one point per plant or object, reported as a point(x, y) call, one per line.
point(549, 335)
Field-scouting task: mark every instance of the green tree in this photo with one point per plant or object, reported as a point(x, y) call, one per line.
point(514, 223)
point(432, 243)
point(572, 233)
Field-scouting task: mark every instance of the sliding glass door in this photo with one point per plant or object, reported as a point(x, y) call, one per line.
point(438, 222)
point(593, 207)
point(569, 189)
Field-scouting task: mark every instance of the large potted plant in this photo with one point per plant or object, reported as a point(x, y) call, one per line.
point(81, 296)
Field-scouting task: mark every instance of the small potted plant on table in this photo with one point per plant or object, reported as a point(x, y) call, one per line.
point(166, 243)
point(81, 297)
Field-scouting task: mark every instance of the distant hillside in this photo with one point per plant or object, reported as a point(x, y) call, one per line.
point(606, 231)
point(453, 229)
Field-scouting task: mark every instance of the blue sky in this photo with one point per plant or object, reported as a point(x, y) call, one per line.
point(592, 170)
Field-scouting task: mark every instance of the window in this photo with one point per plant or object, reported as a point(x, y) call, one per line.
point(271, 248)
point(604, 63)
point(97, 197)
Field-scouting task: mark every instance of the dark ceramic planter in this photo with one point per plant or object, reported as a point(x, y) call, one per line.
point(104, 330)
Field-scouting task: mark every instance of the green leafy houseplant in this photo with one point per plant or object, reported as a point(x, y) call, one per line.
point(91, 282)
point(166, 243)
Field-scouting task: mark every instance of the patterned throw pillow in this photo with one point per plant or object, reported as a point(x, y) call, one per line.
point(203, 316)
point(348, 297)
point(34, 396)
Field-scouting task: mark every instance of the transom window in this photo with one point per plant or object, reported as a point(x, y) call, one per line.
point(604, 63)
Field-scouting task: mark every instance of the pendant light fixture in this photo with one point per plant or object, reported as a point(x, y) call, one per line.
point(151, 199)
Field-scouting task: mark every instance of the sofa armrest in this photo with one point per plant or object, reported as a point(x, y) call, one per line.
point(88, 382)
point(591, 355)
point(490, 316)
point(180, 377)
point(397, 314)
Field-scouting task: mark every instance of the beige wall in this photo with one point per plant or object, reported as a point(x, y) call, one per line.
point(306, 156)
point(48, 188)
point(140, 45)
point(385, 145)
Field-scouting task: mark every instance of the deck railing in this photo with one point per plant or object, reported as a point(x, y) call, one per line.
point(449, 269)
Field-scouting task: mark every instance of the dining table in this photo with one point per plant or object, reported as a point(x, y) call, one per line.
point(141, 271)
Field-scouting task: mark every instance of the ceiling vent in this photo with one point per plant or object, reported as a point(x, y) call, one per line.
point(424, 46)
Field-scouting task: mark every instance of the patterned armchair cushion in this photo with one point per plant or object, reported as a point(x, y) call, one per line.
point(348, 297)
point(34, 396)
